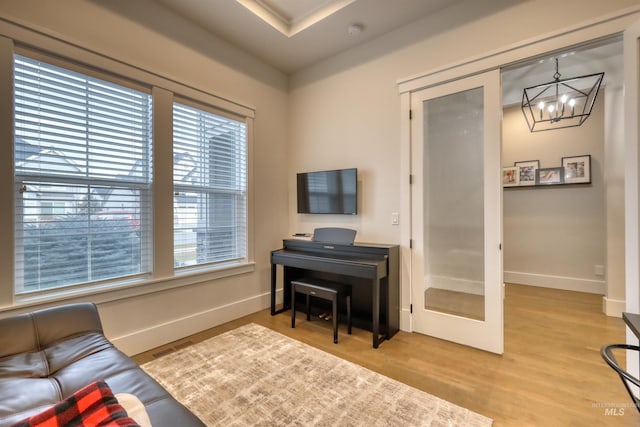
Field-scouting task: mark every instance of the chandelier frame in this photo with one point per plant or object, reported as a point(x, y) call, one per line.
point(560, 103)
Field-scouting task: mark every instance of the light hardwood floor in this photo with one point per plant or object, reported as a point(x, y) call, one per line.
point(551, 373)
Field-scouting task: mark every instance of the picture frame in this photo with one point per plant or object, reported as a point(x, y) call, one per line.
point(550, 176)
point(527, 171)
point(577, 169)
point(510, 176)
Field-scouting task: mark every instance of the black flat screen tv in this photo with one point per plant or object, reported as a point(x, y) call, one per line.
point(328, 192)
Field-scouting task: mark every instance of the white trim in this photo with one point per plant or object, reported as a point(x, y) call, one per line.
point(163, 333)
point(249, 121)
point(602, 27)
point(632, 184)
point(162, 196)
point(115, 291)
point(613, 307)
point(632, 156)
point(406, 319)
point(6, 173)
point(405, 214)
point(556, 282)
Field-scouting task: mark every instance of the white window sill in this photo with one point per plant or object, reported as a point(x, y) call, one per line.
point(101, 293)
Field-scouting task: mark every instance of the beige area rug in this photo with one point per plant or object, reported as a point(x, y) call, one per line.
point(255, 376)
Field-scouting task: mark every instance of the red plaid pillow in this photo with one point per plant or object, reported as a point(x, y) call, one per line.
point(94, 405)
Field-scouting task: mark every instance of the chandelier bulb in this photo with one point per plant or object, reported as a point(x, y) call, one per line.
point(563, 98)
point(572, 104)
point(541, 108)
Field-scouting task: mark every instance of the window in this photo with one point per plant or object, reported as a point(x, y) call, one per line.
point(82, 158)
point(210, 187)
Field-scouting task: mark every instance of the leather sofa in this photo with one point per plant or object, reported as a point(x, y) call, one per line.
point(47, 355)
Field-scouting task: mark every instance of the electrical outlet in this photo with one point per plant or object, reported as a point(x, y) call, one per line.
point(395, 218)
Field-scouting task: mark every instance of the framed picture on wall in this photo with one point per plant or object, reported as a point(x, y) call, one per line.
point(527, 171)
point(549, 176)
point(577, 169)
point(510, 176)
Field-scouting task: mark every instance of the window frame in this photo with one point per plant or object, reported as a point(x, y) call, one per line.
point(37, 178)
point(212, 190)
point(23, 41)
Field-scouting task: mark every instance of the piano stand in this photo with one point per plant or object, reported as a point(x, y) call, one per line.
point(371, 270)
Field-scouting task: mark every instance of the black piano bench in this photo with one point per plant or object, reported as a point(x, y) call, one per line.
point(325, 290)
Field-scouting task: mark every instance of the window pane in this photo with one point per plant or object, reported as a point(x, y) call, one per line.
point(83, 174)
point(210, 178)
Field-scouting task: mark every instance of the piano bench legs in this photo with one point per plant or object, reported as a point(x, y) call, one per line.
point(327, 291)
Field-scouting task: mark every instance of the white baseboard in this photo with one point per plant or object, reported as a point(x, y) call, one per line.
point(556, 282)
point(613, 307)
point(146, 339)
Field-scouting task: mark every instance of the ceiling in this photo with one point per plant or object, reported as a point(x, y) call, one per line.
point(293, 34)
point(595, 57)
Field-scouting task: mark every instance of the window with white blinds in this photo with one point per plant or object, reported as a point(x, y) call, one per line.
point(83, 174)
point(210, 187)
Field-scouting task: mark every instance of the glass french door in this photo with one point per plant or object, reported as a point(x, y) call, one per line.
point(456, 197)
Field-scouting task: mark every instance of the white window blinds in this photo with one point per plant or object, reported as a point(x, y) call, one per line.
point(210, 187)
point(83, 171)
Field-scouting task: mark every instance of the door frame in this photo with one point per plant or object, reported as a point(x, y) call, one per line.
point(631, 41)
point(588, 32)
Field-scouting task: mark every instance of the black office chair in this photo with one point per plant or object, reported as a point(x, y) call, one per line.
point(607, 354)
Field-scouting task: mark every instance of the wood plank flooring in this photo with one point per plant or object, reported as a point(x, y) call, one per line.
point(551, 373)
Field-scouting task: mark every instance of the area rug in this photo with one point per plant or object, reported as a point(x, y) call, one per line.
point(253, 376)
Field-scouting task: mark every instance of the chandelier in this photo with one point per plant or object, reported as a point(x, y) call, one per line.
point(560, 103)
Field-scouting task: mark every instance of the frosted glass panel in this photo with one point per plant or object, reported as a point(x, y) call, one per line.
point(453, 204)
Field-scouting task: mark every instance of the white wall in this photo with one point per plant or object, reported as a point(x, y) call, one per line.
point(144, 34)
point(555, 235)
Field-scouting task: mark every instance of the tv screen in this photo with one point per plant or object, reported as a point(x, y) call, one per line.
point(328, 192)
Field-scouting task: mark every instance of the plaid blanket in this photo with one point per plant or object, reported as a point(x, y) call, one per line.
point(94, 405)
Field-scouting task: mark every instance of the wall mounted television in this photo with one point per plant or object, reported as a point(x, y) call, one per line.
point(328, 192)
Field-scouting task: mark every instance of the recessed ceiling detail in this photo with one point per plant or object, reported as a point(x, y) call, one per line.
point(293, 16)
point(293, 34)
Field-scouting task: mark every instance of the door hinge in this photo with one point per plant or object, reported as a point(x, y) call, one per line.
point(500, 247)
point(411, 308)
point(410, 114)
point(410, 179)
point(410, 243)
